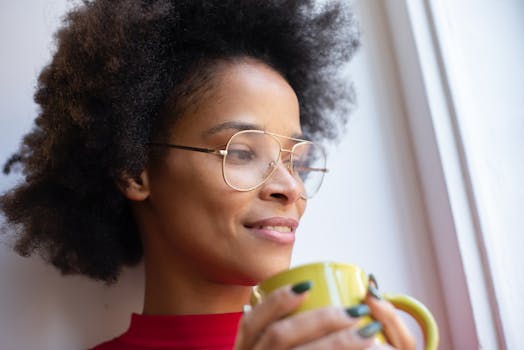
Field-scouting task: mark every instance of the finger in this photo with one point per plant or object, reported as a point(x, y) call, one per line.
point(347, 339)
point(277, 305)
point(305, 327)
point(394, 327)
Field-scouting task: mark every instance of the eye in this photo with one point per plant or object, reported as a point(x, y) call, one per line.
point(240, 154)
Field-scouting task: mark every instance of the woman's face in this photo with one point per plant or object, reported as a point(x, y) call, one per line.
point(194, 220)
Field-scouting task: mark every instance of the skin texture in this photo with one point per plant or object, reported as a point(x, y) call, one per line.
point(200, 254)
point(193, 223)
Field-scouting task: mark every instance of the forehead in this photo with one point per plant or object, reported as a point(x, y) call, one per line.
point(246, 92)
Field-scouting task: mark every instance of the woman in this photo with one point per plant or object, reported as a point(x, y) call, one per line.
point(178, 132)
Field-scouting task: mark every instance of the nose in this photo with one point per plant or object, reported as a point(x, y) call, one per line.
point(282, 186)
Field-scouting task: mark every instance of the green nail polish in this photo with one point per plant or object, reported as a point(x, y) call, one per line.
point(302, 287)
point(358, 310)
point(373, 280)
point(370, 330)
point(374, 292)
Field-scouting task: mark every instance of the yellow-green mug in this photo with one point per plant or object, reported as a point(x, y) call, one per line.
point(345, 285)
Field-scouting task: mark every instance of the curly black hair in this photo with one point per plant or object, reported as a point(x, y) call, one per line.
point(117, 64)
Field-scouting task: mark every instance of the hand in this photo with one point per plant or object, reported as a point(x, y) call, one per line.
point(265, 327)
point(393, 327)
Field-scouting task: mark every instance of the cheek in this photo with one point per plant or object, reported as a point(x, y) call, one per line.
point(192, 175)
point(192, 193)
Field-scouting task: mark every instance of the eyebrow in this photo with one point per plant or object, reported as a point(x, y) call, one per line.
point(239, 126)
point(232, 125)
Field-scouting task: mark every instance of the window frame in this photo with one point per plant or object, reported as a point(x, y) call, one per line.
point(432, 106)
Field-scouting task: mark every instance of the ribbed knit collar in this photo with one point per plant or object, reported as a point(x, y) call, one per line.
point(211, 331)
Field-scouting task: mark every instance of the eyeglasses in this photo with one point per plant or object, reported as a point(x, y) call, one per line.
point(250, 157)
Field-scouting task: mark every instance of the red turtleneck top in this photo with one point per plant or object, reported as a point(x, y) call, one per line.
point(169, 332)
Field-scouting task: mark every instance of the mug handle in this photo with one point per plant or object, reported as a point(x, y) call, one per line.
point(420, 313)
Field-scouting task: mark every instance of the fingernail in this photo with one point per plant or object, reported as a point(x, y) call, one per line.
point(302, 287)
point(370, 330)
point(373, 280)
point(246, 308)
point(358, 310)
point(374, 292)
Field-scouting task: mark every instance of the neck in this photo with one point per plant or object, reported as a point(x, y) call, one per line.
point(179, 290)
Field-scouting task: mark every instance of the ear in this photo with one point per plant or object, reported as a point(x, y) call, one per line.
point(137, 188)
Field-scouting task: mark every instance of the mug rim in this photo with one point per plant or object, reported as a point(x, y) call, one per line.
point(318, 264)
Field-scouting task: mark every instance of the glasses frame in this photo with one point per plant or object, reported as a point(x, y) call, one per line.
point(277, 137)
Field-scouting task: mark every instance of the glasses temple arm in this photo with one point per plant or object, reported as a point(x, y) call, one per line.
point(324, 170)
point(188, 148)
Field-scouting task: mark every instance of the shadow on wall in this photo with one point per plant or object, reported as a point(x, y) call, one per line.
point(41, 309)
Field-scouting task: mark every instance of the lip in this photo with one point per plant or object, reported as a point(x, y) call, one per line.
point(259, 229)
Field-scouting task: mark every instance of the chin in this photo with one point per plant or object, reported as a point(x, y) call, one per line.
point(259, 273)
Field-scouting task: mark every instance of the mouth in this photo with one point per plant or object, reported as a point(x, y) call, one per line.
point(278, 229)
point(282, 229)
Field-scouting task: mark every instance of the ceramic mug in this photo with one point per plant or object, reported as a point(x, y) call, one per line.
point(345, 285)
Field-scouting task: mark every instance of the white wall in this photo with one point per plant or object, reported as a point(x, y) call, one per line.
point(369, 212)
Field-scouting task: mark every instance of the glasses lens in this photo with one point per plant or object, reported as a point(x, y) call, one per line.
point(251, 157)
point(309, 165)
